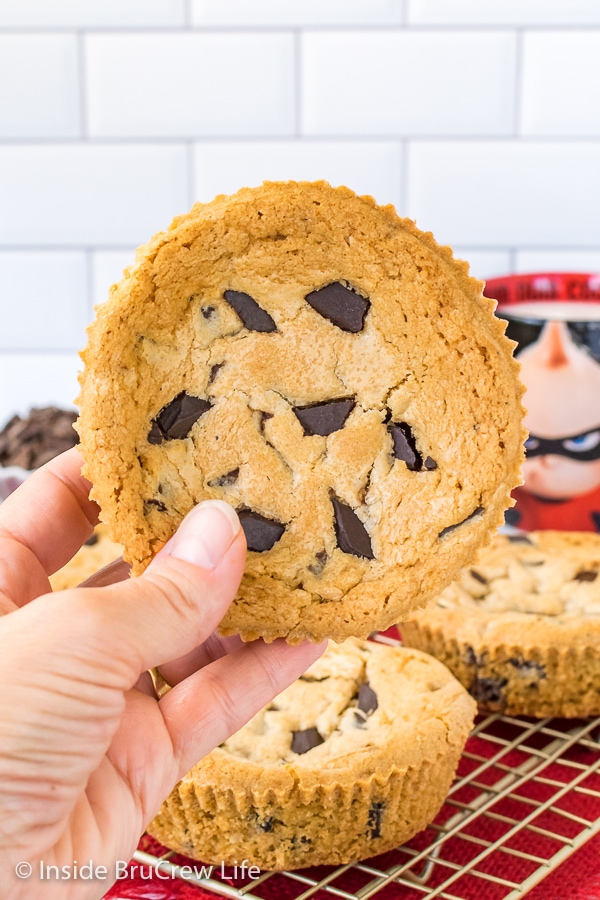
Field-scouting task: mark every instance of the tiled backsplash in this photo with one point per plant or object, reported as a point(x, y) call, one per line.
point(478, 118)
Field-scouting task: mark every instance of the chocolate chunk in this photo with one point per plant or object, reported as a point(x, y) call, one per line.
point(93, 539)
point(154, 504)
point(207, 311)
point(341, 305)
point(478, 576)
point(586, 575)
point(261, 533)
point(374, 818)
point(405, 448)
point(319, 564)
point(266, 824)
point(519, 538)
point(38, 438)
point(488, 690)
point(303, 741)
point(225, 480)
point(451, 528)
point(367, 698)
point(324, 418)
point(175, 420)
point(310, 679)
point(352, 536)
point(254, 317)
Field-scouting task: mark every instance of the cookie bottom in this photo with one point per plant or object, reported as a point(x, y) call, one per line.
point(332, 827)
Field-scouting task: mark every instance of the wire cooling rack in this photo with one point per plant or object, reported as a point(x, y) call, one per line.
point(526, 796)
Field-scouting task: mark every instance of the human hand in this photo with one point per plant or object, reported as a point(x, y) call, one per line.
point(87, 752)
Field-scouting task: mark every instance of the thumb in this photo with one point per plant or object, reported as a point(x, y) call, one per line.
point(171, 608)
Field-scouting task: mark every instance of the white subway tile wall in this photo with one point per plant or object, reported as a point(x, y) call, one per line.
point(478, 118)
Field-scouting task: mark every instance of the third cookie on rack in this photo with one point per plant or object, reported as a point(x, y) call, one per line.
point(521, 627)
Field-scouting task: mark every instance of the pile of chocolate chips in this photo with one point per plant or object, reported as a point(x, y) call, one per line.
point(34, 440)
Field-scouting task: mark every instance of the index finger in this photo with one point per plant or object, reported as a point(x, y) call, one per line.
point(50, 514)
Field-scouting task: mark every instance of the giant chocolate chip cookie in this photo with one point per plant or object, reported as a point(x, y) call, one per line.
point(328, 370)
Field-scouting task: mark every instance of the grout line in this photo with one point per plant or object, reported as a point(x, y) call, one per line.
point(384, 26)
point(368, 138)
point(404, 147)
point(89, 272)
point(191, 174)
point(519, 63)
point(406, 13)
point(82, 75)
point(298, 65)
point(188, 13)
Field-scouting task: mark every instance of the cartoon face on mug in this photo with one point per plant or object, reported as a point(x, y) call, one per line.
point(562, 400)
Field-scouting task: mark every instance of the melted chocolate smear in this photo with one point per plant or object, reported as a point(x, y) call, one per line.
point(319, 564)
point(214, 371)
point(175, 420)
point(303, 741)
point(374, 819)
point(367, 698)
point(586, 575)
point(341, 305)
point(261, 533)
point(254, 317)
point(264, 417)
point(93, 539)
point(225, 480)
point(451, 528)
point(324, 418)
point(352, 536)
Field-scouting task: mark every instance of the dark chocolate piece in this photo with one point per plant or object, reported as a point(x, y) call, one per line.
point(266, 825)
point(586, 575)
point(367, 698)
point(225, 480)
point(93, 539)
point(374, 818)
point(303, 741)
point(254, 317)
point(478, 576)
point(207, 311)
point(38, 438)
point(352, 536)
point(528, 666)
point(405, 448)
point(488, 690)
point(404, 445)
point(341, 305)
point(175, 420)
point(156, 504)
point(261, 533)
point(324, 418)
point(451, 528)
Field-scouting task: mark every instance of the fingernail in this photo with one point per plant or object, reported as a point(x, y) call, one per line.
point(205, 535)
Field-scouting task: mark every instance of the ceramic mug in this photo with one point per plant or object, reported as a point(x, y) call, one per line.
point(555, 320)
